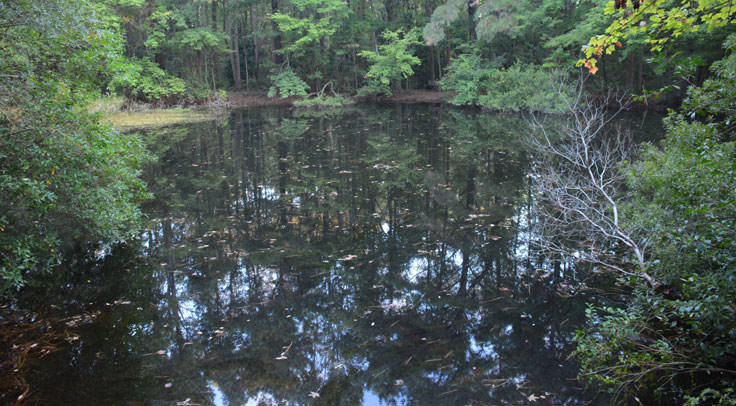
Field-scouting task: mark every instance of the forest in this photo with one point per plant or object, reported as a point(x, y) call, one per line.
point(523, 185)
point(491, 54)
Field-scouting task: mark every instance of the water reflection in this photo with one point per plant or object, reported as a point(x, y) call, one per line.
point(374, 256)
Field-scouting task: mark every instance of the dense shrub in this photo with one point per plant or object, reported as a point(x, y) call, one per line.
point(142, 80)
point(65, 178)
point(680, 338)
point(516, 88)
point(286, 83)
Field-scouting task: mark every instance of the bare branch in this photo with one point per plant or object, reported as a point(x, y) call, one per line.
point(579, 183)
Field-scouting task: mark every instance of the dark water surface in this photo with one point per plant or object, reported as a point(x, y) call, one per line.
point(373, 256)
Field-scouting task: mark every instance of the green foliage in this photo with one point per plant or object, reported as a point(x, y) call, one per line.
point(493, 17)
point(518, 88)
point(286, 83)
point(713, 102)
point(156, 28)
point(393, 61)
point(496, 17)
point(444, 15)
point(323, 101)
point(713, 397)
point(305, 31)
point(65, 178)
point(373, 88)
point(683, 197)
point(143, 80)
point(466, 76)
point(199, 39)
point(565, 45)
point(660, 21)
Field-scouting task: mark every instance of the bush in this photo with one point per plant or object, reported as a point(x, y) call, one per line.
point(66, 179)
point(286, 83)
point(465, 76)
point(517, 88)
point(142, 80)
point(680, 338)
point(324, 101)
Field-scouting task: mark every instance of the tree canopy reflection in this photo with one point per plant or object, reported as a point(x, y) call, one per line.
point(360, 256)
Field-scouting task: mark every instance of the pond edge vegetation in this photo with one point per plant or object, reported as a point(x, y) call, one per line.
point(70, 180)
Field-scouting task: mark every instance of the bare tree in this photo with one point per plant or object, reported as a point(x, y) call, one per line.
point(579, 186)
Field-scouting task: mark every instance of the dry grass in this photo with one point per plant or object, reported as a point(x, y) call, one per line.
point(156, 118)
point(107, 104)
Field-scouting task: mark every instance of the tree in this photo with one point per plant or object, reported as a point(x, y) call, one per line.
point(393, 61)
point(675, 213)
point(660, 21)
point(579, 185)
point(65, 178)
point(485, 19)
point(305, 31)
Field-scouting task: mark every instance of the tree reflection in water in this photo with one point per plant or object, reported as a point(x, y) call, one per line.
point(374, 256)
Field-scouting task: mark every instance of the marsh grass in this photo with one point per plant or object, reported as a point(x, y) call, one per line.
point(130, 120)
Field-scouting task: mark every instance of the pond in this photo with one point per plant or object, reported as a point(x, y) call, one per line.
point(374, 256)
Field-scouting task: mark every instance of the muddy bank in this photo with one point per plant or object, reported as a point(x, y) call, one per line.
point(256, 99)
point(408, 97)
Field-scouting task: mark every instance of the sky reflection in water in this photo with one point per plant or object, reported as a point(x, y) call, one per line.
point(373, 256)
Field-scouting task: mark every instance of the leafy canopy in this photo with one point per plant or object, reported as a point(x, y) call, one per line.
point(305, 31)
point(394, 59)
point(659, 21)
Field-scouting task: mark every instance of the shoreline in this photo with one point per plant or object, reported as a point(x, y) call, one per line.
point(147, 116)
point(260, 99)
point(414, 96)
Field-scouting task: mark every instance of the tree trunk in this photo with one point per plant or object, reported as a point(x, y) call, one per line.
point(236, 55)
point(472, 7)
point(439, 62)
point(255, 41)
point(233, 54)
point(641, 70)
point(278, 59)
point(214, 15)
point(432, 77)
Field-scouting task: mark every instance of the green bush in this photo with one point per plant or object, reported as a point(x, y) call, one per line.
point(324, 102)
point(465, 76)
point(142, 80)
point(373, 88)
point(517, 88)
point(286, 83)
point(66, 179)
point(681, 337)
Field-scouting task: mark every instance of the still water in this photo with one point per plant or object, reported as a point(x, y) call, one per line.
point(374, 256)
